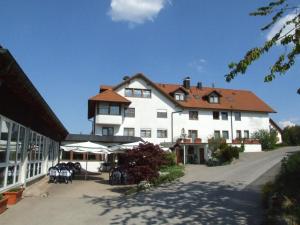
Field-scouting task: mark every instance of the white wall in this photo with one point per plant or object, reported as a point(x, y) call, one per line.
point(146, 110)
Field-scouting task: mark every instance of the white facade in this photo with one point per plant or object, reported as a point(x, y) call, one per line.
point(146, 118)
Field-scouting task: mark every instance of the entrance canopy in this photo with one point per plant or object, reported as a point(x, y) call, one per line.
point(122, 148)
point(84, 147)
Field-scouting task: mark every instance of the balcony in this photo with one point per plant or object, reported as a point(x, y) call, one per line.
point(109, 119)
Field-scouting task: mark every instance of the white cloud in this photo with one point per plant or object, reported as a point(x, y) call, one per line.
point(286, 123)
point(278, 25)
point(198, 65)
point(135, 11)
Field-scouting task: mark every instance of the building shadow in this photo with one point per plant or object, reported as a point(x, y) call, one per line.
point(183, 203)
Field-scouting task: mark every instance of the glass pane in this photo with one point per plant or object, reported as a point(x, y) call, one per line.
point(40, 168)
point(146, 93)
point(104, 109)
point(10, 175)
point(21, 143)
point(17, 174)
point(13, 143)
point(5, 126)
point(31, 169)
point(114, 110)
point(2, 174)
point(37, 149)
point(137, 93)
point(41, 148)
point(36, 169)
point(128, 92)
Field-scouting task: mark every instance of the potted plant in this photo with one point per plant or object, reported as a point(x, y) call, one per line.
point(3, 203)
point(14, 195)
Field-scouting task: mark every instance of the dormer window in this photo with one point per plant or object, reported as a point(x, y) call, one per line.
point(214, 97)
point(179, 96)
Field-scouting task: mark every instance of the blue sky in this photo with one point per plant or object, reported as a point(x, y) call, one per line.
point(68, 48)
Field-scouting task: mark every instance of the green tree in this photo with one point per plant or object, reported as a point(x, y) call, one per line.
point(267, 139)
point(291, 135)
point(288, 35)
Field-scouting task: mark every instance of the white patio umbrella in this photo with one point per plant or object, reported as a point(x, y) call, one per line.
point(122, 148)
point(86, 147)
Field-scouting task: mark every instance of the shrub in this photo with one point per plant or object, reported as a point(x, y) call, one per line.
point(267, 139)
point(286, 190)
point(169, 174)
point(291, 135)
point(224, 154)
point(170, 159)
point(143, 163)
point(216, 143)
point(213, 162)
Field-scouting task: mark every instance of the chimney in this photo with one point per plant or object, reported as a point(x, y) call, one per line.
point(187, 82)
point(199, 85)
point(126, 78)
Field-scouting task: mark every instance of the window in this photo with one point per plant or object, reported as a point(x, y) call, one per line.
point(238, 134)
point(107, 131)
point(128, 92)
point(13, 143)
point(129, 112)
point(217, 134)
point(237, 116)
point(225, 134)
point(77, 156)
point(224, 115)
point(179, 96)
point(193, 134)
point(114, 110)
point(216, 115)
point(129, 132)
point(213, 99)
point(162, 133)
point(104, 109)
point(146, 133)
point(146, 93)
point(193, 115)
point(162, 114)
point(109, 109)
point(246, 134)
point(139, 93)
point(5, 127)
point(66, 155)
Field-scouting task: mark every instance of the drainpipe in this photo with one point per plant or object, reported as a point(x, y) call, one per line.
point(231, 124)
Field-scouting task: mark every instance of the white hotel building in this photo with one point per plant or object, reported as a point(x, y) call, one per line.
point(164, 113)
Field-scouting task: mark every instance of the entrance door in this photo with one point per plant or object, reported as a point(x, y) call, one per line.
point(202, 159)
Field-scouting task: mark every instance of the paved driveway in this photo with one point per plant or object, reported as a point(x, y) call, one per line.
point(219, 195)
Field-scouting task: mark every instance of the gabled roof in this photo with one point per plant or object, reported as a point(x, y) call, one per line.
point(214, 92)
point(274, 124)
point(196, 98)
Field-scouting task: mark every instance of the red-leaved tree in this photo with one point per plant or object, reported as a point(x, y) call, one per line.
point(143, 163)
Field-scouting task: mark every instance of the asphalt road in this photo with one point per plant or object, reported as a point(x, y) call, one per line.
point(205, 195)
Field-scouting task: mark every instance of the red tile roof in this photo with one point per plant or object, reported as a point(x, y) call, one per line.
point(109, 96)
point(231, 99)
point(241, 100)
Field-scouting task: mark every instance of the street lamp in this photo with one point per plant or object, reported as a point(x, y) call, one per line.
point(172, 136)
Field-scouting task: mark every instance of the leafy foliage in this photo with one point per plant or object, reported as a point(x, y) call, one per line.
point(282, 197)
point(169, 174)
point(222, 153)
point(144, 162)
point(285, 61)
point(267, 139)
point(291, 135)
point(170, 159)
